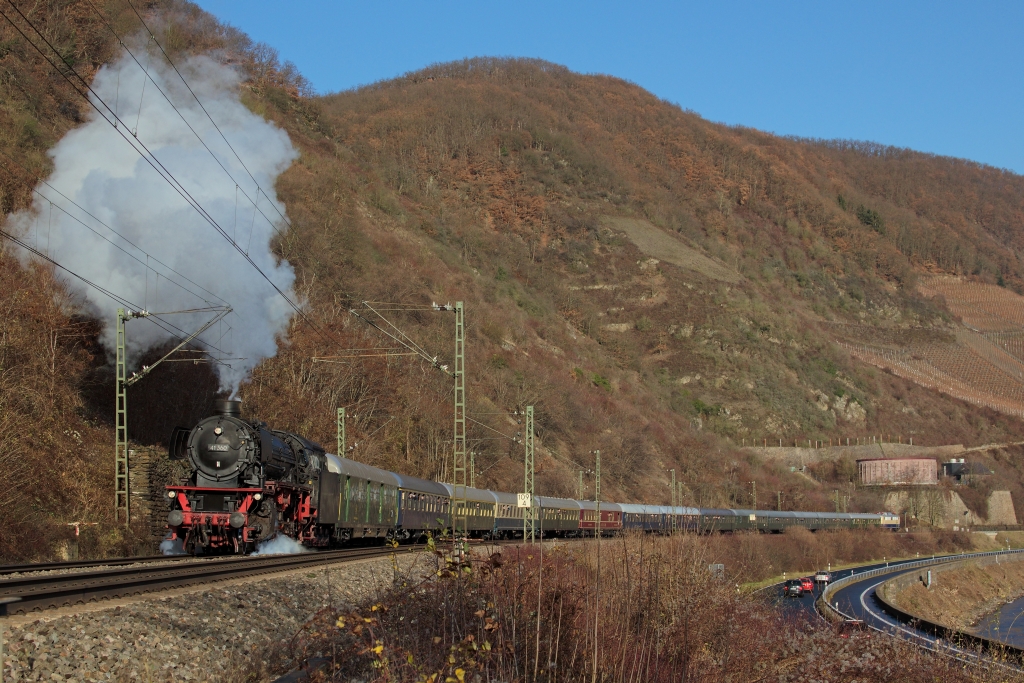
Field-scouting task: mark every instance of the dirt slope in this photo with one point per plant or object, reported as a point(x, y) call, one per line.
point(658, 286)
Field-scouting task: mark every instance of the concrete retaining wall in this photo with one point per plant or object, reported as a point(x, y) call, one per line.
point(1000, 509)
point(945, 509)
point(798, 456)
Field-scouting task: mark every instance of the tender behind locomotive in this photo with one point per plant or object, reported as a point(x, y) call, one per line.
point(248, 483)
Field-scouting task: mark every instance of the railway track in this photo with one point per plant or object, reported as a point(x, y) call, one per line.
point(8, 569)
point(34, 591)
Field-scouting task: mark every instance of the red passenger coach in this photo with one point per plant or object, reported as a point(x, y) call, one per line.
point(611, 517)
point(248, 484)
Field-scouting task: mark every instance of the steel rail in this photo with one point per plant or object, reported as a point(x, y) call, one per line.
point(58, 590)
point(8, 569)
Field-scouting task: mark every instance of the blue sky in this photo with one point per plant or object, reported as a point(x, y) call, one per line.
point(939, 77)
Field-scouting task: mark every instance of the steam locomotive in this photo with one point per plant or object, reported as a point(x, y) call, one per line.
point(249, 483)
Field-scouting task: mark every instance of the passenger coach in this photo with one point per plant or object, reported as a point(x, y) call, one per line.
point(249, 483)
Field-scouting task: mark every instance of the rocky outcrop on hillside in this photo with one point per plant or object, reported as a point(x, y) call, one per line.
point(945, 509)
point(659, 287)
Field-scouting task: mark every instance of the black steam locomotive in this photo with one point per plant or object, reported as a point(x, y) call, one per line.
point(249, 484)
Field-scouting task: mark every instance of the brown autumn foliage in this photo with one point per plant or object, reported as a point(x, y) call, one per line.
point(499, 182)
point(649, 611)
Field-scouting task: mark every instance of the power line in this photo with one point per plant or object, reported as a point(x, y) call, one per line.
point(415, 349)
point(511, 438)
point(402, 334)
point(116, 246)
point(159, 322)
point(332, 359)
point(223, 137)
point(151, 159)
point(185, 121)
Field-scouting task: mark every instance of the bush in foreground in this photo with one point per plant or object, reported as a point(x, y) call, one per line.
point(641, 609)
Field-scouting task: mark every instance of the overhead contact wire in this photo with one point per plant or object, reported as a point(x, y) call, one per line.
point(199, 102)
point(418, 352)
point(155, 163)
point(185, 121)
point(510, 438)
point(140, 249)
point(398, 331)
point(159, 322)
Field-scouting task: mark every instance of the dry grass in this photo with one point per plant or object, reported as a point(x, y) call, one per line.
point(751, 558)
point(959, 597)
point(491, 181)
point(652, 613)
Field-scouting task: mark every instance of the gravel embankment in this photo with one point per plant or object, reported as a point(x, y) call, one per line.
point(190, 635)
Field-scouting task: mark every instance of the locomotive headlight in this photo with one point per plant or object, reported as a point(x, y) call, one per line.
point(237, 520)
point(171, 494)
point(175, 517)
point(257, 496)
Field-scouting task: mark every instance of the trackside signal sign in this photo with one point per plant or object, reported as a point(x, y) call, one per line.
point(523, 500)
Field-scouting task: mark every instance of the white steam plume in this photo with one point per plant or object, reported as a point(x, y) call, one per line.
point(172, 547)
point(97, 169)
point(280, 545)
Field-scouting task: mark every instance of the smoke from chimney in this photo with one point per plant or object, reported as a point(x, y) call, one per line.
point(100, 171)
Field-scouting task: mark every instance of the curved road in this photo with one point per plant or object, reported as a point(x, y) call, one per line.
point(805, 603)
point(857, 600)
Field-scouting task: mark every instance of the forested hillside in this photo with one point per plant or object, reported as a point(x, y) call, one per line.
point(659, 287)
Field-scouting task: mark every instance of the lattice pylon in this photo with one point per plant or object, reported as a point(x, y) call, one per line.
point(674, 499)
point(530, 513)
point(121, 482)
point(460, 525)
point(341, 433)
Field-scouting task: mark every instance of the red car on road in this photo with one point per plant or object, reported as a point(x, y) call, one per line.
point(807, 584)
